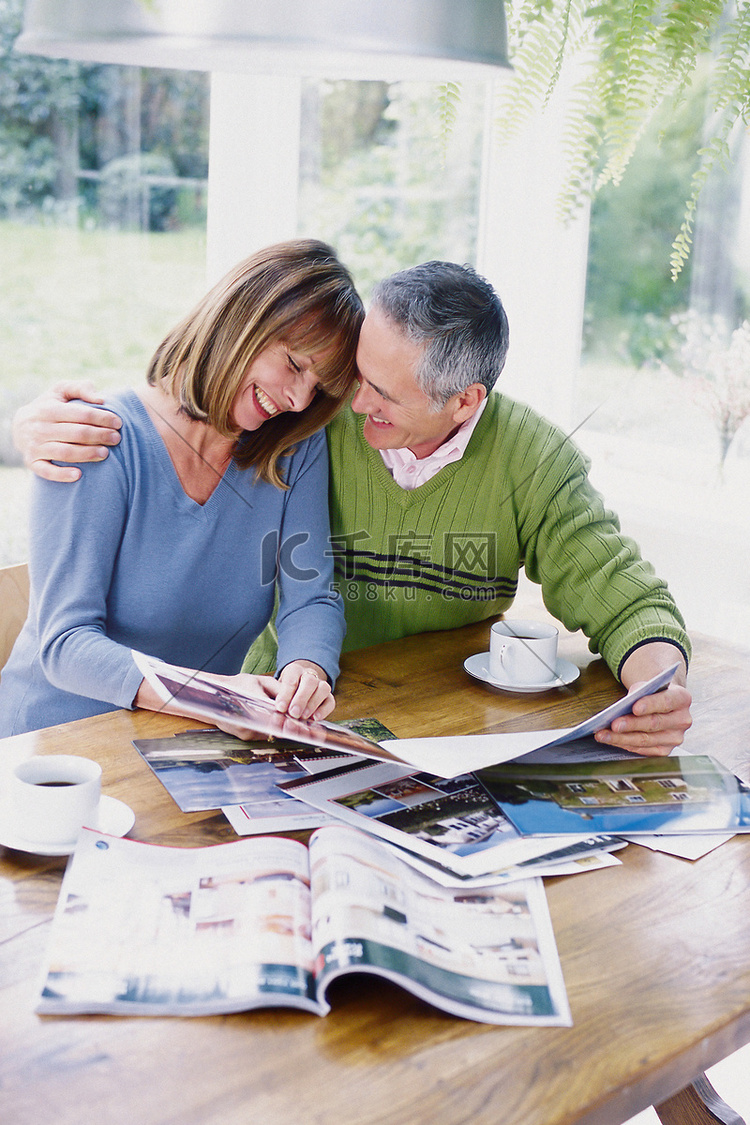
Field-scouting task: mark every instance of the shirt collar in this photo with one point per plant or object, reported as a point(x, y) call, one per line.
point(409, 472)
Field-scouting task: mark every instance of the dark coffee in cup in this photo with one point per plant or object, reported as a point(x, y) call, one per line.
point(53, 795)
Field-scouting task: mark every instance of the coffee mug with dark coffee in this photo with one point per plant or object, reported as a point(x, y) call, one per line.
point(53, 796)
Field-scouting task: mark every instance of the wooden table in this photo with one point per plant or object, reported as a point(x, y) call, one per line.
point(655, 953)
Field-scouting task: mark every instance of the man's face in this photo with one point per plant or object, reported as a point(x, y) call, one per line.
point(399, 413)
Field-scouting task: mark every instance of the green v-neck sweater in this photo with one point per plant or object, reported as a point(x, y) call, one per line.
point(449, 552)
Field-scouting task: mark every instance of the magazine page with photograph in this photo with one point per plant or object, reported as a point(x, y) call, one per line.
point(446, 756)
point(203, 697)
point(143, 929)
point(486, 954)
point(451, 821)
point(451, 755)
point(208, 769)
point(691, 793)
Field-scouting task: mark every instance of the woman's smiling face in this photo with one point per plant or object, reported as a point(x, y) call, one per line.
point(281, 378)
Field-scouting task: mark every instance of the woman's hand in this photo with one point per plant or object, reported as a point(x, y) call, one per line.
point(304, 691)
point(301, 691)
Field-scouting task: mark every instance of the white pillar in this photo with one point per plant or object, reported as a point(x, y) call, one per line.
point(253, 166)
point(536, 263)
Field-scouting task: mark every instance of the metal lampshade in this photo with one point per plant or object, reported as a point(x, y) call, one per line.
point(361, 39)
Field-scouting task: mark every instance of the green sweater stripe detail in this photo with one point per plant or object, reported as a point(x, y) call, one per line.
point(381, 569)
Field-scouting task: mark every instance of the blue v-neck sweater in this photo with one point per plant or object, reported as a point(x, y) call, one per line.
point(125, 559)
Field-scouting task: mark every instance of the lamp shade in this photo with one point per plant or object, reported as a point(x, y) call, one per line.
point(360, 39)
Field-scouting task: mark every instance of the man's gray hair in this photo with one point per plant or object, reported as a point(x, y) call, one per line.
point(457, 315)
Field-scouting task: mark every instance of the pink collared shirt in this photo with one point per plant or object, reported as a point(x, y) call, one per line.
point(408, 472)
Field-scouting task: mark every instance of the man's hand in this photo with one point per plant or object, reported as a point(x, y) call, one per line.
point(52, 427)
point(659, 721)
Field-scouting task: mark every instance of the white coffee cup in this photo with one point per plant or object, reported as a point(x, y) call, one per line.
point(53, 796)
point(523, 652)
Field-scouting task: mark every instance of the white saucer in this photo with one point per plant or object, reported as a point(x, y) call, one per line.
point(478, 668)
point(113, 817)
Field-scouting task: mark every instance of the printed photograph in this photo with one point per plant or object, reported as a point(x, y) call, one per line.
point(463, 822)
point(210, 769)
point(690, 793)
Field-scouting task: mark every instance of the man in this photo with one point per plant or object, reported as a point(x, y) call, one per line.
point(440, 491)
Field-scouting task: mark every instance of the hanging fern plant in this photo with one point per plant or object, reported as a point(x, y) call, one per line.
point(449, 95)
point(635, 55)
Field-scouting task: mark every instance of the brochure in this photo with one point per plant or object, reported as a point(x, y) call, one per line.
point(288, 815)
point(675, 795)
point(210, 701)
point(208, 769)
point(590, 854)
point(457, 754)
point(151, 930)
point(450, 821)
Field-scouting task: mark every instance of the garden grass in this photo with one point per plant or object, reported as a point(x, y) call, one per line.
point(92, 304)
point(81, 304)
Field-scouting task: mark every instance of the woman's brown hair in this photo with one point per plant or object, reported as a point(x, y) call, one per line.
point(297, 292)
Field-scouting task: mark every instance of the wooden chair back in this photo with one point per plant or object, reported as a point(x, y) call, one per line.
point(14, 605)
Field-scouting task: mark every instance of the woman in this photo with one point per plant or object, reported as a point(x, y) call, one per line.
point(171, 546)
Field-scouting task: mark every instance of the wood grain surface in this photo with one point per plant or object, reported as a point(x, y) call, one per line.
point(655, 953)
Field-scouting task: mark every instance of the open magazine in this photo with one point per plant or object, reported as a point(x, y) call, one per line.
point(262, 922)
point(200, 696)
